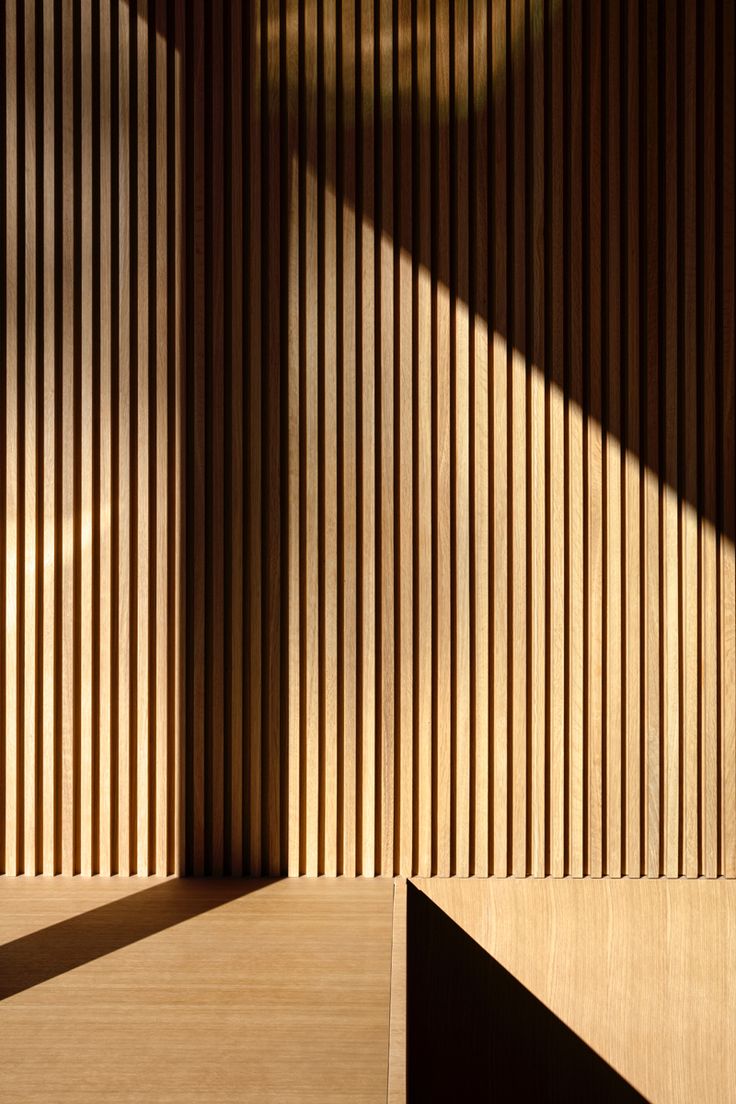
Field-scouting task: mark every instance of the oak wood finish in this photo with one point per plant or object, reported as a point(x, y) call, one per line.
point(587, 949)
point(196, 989)
point(366, 478)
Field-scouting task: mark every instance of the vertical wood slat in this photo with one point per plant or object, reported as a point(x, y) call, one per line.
point(443, 734)
point(537, 537)
point(672, 765)
point(613, 397)
point(727, 673)
point(405, 440)
point(108, 651)
point(479, 462)
point(484, 268)
point(632, 462)
point(87, 796)
point(13, 541)
point(499, 462)
point(689, 488)
point(329, 437)
point(347, 445)
point(423, 500)
point(88, 789)
point(31, 734)
point(556, 597)
point(50, 569)
point(294, 470)
point(385, 419)
point(460, 433)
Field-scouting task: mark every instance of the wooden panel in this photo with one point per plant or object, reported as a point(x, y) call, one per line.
point(534, 556)
point(88, 382)
point(368, 438)
point(577, 947)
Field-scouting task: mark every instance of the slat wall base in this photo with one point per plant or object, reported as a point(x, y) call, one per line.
point(366, 472)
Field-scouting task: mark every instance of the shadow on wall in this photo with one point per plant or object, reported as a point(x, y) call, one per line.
point(475, 1033)
point(443, 326)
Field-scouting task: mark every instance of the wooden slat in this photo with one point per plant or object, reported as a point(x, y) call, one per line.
point(423, 449)
point(594, 504)
point(69, 707)
point(574, 657)
point(123, 503)
point(689, 501)
point(537, 537)
point(142, 536)
point(480, 469)
point(632, 461)
point(308, 237)
point(13, 734)
point(88, 789)
point(330, 422)
point(50, 570)
point(108, 651)
point(159, 851)
point(707, 592)
point(727, 672)
point(369, 725)
point(385, 500)
point(442, 565)
point(348, 490)
point(293, 460)
point(555, 374)
point(254, 585)
point(272, 464)
point(518, 366)
point(670, 555)
point(404, 438)
point(31, 848)
point(614, 535)
point(500, 459)
point(461, 506)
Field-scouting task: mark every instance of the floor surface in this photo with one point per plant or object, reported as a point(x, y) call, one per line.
point(184, 990)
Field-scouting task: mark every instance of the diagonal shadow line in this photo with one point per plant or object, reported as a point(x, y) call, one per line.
point(474, 1032)
point(80, 939)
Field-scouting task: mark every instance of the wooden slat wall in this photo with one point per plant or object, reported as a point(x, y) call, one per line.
point(392, 368)
point(89, 459)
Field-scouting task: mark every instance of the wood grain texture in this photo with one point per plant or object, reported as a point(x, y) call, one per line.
point(576, 945)
point(89, 371)
point(200, 967)
point(367, 472)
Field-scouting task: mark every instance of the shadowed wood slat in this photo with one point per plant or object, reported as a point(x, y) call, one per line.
point(13, 536)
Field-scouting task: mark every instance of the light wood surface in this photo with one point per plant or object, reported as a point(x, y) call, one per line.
point(367, 438)
point(641, 970)
point(193, 990)
point(397, 1025)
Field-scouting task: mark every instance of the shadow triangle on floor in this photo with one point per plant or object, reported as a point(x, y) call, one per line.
point(475, 1033)
point(85, 936)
